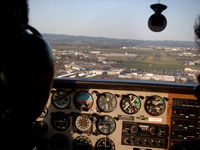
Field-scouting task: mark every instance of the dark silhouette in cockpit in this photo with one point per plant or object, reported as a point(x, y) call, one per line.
point(26, 74)
point(193, 144)
point(197, 39)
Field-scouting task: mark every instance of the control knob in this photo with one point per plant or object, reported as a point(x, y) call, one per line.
point(134, 129)
point(153, 130)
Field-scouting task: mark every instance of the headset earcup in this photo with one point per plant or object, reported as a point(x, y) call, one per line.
point(28, 70)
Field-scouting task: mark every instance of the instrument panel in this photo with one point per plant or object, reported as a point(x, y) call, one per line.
point(107, 115)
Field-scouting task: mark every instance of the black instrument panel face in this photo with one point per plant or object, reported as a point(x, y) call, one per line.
point(111, 119)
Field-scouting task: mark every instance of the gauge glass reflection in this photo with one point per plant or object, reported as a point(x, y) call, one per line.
point(104, 144)
point(60, 99)
point(130, 104)
point(83, 101)
point(83, 123)
point(155, 105)
point(106, 125)
point(106, 102)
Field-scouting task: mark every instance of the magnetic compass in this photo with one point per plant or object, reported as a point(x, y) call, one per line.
point(130, 104)
point(155, 105)
point(83, 101)
point(106, 102)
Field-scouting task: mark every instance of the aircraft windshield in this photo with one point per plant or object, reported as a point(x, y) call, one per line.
point(110, 39)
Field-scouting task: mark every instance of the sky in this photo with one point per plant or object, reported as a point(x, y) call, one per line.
point(122, 19)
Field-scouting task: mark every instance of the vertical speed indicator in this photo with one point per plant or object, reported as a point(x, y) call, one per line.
point(130, 104)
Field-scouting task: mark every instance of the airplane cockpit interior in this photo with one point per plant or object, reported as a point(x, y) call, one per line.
point(126, 74)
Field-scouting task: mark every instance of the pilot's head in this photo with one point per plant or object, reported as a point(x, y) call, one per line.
point(26, 69)
point(197, 31)
point(197, 39)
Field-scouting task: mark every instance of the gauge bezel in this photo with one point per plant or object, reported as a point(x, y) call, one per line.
point(76, 103)
point(99, 99)
point(99, 120)
point(127, 96)
point(64, 97)
point(150, 98)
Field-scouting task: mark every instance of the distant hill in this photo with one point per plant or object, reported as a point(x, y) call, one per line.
point(59, 39)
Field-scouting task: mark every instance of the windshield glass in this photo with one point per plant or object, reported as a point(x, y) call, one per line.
point(110, 39)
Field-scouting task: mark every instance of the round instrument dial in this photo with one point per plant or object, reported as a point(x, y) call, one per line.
point(83, 101)
point(104, 144)
point(106, 125)
point(83, 123)
point(60, 142)
point(130, 104)
point(155, 105)
point(44, 112)
point(82, 143)
point(60, 99)
point(60, 121)
point(106, 102)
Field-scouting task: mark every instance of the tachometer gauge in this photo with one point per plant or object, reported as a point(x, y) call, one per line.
point(60, 99)
point(106, 125)
point(155, 105)
point(83, 101)
point(60, 142)
point(106, 102)
point(130, 104)
point(104, 144)
point(83, 123)
point(60, 121)
point(82, 143)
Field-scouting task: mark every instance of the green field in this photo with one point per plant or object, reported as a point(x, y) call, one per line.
point(153, 60)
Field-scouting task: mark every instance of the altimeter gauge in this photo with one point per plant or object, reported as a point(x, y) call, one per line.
point(155, 105)
point(130, 104)
point(60, 99)
point(82, 143)
point(83, 123)
point(106, 102)
point(104, 144)
point(83, 101)
point(106, 125)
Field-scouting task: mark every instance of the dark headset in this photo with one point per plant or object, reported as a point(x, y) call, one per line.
point(26, 52)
